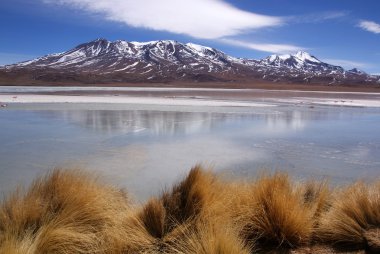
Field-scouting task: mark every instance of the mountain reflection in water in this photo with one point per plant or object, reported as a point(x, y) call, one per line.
point(172, 122)
point(146, 150)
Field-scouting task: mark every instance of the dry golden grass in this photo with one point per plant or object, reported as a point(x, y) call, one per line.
point(272, 212)
point(210, 238)
point(317, 196)
point(64, 212)
point(353, 221)
point(68, 211)
point(187, 199)
point(166, 220)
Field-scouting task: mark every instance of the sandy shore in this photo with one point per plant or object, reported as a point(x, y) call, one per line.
point(207, 85)
point(186, 96)
point(27, 98)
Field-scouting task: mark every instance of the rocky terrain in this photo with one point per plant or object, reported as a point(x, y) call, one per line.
point(102, 61)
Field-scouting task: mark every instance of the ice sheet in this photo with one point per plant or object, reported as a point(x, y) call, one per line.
point(30, 98)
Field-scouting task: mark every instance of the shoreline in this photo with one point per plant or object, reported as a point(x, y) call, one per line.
point(28, 98)
point(186, 96)
point(209, 85)
point(29, 89)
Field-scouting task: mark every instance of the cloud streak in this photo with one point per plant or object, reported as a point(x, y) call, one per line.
point(205, 19)
point(370, 26)
point(10, 58)
point(347, 64)
point(318, 17)
point(265, 47)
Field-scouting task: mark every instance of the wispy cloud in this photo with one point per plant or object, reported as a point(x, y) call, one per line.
point(370, 26)
point(265, 47)
point(10, 58)
point(347, 64)
point(332, 15)
point(206, 19)
point(317, 17)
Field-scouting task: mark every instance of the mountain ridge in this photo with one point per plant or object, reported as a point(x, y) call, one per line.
point(103, 61)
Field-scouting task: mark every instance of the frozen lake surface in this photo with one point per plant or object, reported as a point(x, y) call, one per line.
point(145, 147)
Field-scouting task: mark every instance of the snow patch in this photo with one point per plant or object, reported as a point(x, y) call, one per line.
point(128, 66)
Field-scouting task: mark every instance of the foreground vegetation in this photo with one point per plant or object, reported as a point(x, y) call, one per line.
point(69, 211)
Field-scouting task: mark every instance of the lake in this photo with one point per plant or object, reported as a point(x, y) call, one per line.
point(145, 148)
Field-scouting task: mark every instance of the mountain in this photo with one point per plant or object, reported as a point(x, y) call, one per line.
point(301, 61)
point(103, 61)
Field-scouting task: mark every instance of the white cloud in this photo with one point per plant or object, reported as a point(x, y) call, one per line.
point(206, 19)
point(266, 47)
point(347, 64)
point(10, 58)
point(332, 15)
point(317, 17)
point(370, 26)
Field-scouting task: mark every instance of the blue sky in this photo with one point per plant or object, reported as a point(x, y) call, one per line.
point(345, 33)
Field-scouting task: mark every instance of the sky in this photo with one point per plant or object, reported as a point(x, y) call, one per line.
point(345, 33)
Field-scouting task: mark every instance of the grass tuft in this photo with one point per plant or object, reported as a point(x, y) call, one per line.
point(210, 238)
point(69, 211)
point(188, 198)
point(153, 217)
point(353, 220)
point(164, 221)
point(273, 212)
point(63, 212)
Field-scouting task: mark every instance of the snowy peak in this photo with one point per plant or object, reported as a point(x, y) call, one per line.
point(301, 57)
point(203, 50)
point(120, 54)
point(169, 60)
point(93, 48)
point(300, 61)
point(306, 57)
point(357, 71)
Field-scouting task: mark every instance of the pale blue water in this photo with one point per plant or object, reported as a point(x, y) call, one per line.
point(145, 148)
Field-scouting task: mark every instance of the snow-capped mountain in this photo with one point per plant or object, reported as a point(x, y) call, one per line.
point(301, 61)
point(103, 61)
point(102, 55)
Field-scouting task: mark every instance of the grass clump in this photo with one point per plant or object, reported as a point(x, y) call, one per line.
point(63, 212)
point(273, 213)
point(353, 221)
point(210, 238)
point(69, 211)
point(167, 219)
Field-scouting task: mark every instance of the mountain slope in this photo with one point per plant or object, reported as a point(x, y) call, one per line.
point(102, 61)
